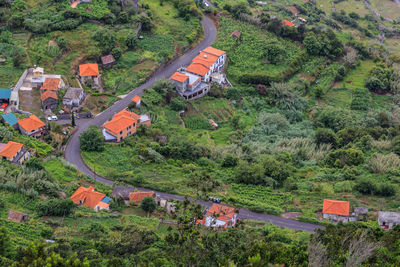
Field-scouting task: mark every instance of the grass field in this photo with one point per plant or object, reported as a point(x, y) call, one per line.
point(352, 6)
point(387, 8)
point(356, 78)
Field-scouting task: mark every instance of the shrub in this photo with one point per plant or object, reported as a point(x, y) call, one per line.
point(365, 186)
point(178, 104)
point(342, 157)
point(325, 136)
point(55, 207)
point(230, 161)
point(396, 145)
point(92, 139)
point(380, 163)
point(386, 190)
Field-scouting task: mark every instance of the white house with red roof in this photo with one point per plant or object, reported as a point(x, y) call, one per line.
point(194, 81)
point(219, 216)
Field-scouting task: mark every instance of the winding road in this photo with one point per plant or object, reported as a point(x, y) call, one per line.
point(73, 154)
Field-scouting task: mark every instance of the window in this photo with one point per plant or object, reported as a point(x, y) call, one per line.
point(129, 127)
point(120, 132)
point(134, 125)
point(129, 133)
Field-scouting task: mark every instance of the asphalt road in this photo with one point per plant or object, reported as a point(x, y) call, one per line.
point(73, 154)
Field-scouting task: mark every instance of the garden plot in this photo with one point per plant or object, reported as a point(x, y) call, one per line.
point(199, 113)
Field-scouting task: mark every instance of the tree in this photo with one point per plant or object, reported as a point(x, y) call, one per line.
point(5, 134)
point(148, 204)
point(73, 120)
point(92, 139)
point(312, 44)
point(325, 136)
point(163, 86)
point(116, 53)
point(18, 56)
point(61, 42)
point(6, 37)
point(106, 39)
point(203, 182)
point(178, 103)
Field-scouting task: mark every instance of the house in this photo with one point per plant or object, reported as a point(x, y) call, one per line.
point(219, 216)
point(387, 219)
point(137, 100)
point(5, 95)
point(123, 124)
point(287, 23)
point(31, 126)
point(51, 84)
point(189, 86)
point(73, 97)
point(193, 81)
point(17, 216)
point(236, 34)
point(336, 211)
point(123, 192)
point(10, 119)
point(107, 61)
point(137, 197)
point(90, 71)
point(86, 196)
point(37, 72)
point(49, 99)
point(14, 152)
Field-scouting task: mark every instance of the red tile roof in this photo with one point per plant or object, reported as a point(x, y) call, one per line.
point(87, 196)
point(51, 84)
point(31, 123)
point(136, 99)
point(179, 77)
point(89, 69)
point(198, 68)
point(119, 123)
point(48, 94)
point(126, 113)
point(221, 212)
point(214, 51)
point(336, 207)
point(288, 23)
point(137, 197)
point(235, 33)
point(11, 149)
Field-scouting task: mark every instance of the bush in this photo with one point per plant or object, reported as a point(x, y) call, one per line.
point(55, 207)
point(365, 186)
point(230, 161)
point(380, 163)
point(92, 139)
point(342, 157)
point(178, 104)
point(386, 190)
point(325, 136)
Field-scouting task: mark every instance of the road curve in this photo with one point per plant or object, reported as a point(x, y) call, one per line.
point(73, 154)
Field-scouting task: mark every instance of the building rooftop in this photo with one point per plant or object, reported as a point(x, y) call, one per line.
point(336, 207)
point(214, 51)
point(119, 123)
point(31, 123)
point(5, 93)
point(179, 77)
point(11, 149)
point(73, 93)
point(136, 99)
point(107, 59)
point(87, 196)
point(198, 68)
point(288, 23)
point(10, 118)
point(138, 196)
point(89, 69)
point(389, 217)
point(48, 94)
point(51, 84)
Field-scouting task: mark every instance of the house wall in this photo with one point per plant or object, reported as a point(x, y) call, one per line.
point(50, 103)
point(336, 218)
point(124, 133)
point(34, 132)
point(147, 123)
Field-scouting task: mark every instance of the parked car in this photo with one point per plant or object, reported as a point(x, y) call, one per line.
point(215, 199)
point(3, 106)
point(52, 118)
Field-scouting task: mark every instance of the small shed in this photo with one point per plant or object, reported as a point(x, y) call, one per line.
point(137, 100)
point(10, 119)
point(387, 219)
point(123, 192)
point(236, 34)
point(17, 216)
point(107, 61)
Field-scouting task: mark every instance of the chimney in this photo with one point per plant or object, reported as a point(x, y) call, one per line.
point(205, 56)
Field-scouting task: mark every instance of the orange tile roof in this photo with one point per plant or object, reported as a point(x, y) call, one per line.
point(206, 59)
point(48, 94)
point(88, 197)
point(180, 77)
point(103, 205)
point(136, 99)
point(119, 123)
point(31, 123)
point(221, 212)
point(75, 4)
point(11, 149)
point(288, 23)
point(198, 68)
point(89, 69)
point(138, 196)
point(214, 51)
point(336, 207)
point(51, 84)
point(126, 113)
